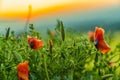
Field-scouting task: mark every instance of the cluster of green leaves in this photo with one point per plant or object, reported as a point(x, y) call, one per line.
point(71, 57)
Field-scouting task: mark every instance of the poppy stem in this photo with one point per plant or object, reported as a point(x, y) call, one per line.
point(71, 74)
point(46, 71)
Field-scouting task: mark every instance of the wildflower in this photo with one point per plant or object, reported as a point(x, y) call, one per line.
point(23, 71)
point(34, 43)
point(100, 43)
point(91, 36)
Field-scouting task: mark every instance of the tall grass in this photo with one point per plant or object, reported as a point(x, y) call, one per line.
point(71, 57)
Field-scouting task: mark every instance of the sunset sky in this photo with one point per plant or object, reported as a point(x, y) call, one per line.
point(80, 14)
point(19, 8)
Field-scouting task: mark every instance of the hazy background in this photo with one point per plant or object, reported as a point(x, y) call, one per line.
point(107, 17)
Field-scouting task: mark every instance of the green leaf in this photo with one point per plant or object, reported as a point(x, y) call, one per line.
point(70, 76)
point(62, 31)
point(48, 32)
point(7, 33)
point(19, 57)
point(107, 76)
point(89, 77)
point(31, 26)
point(58, 26)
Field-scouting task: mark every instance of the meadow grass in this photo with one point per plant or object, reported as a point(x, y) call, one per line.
point(71, 57)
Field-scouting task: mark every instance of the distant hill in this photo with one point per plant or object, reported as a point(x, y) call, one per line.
point(108, 18)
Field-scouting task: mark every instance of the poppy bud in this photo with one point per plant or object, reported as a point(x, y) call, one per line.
point(62, 31)
point(51, 45)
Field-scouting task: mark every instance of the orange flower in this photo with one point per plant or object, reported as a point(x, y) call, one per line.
point(34, 43)
point(91, 36)
point(23, 71)
point(99, 40)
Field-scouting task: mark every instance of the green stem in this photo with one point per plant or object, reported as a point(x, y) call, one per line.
point(71, 74)
point(46, 71)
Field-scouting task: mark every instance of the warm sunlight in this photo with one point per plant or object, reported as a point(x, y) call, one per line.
point(18, 8)
point(59, 39)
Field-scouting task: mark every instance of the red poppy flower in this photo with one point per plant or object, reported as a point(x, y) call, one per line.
point(100, 43)
point(23, 71)
point(34, 43)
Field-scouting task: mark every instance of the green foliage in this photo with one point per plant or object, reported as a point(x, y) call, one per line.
point(60, 29)
point(7, 33)
point(73, 57)
point(33, 32)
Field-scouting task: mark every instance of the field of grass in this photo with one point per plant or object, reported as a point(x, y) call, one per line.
point(66, 55)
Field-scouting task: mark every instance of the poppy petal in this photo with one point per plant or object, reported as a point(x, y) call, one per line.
point(103, 46)
point(100, 43)
point(99, 33)
point(23, 71)
point(40, 43)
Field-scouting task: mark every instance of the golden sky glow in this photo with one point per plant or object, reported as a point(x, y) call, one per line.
point(19, 8)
